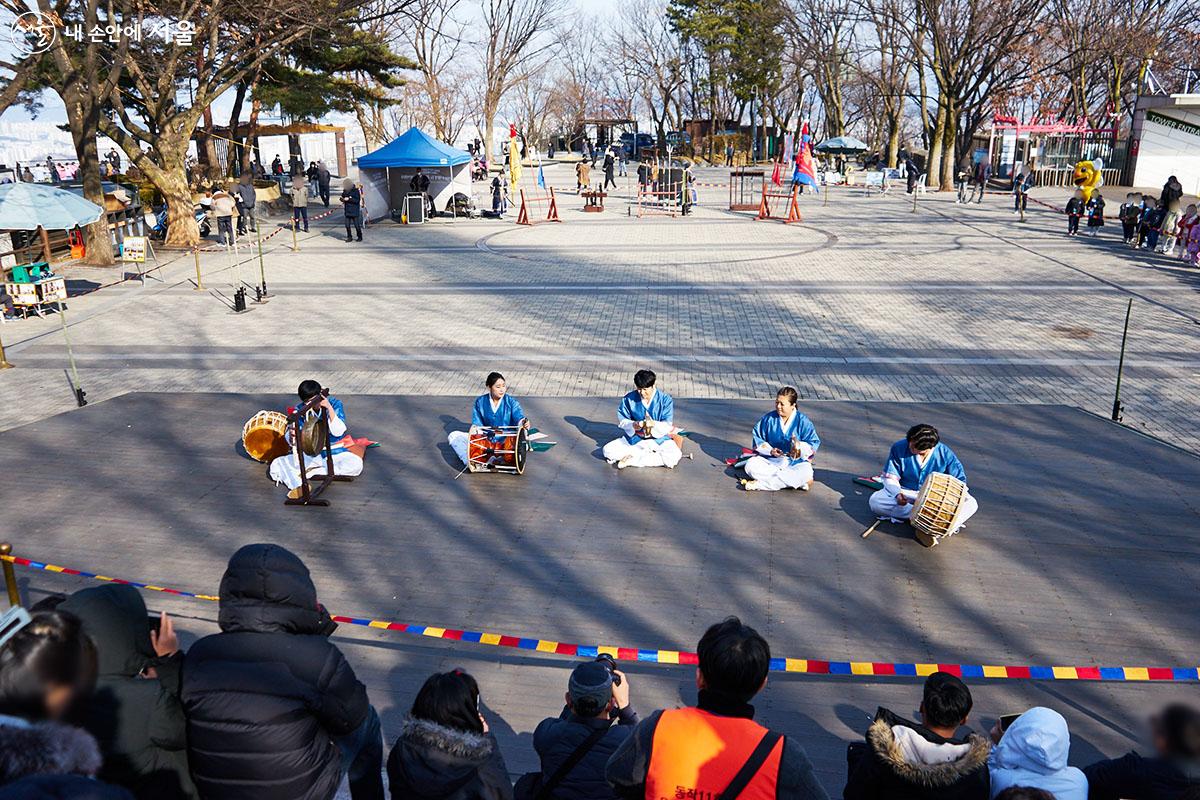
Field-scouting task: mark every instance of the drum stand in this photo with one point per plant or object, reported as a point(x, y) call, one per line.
point(311, 496)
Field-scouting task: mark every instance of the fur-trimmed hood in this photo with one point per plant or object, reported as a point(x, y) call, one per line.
point(921, 757)
point(47, 748)
point(431, 760)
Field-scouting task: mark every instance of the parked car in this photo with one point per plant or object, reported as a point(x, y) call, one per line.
point(632, 146)
point(677, 139)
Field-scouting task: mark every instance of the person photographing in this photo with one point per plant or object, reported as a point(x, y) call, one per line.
point(575, 746)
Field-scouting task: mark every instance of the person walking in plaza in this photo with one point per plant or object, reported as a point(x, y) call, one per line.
point(274, 709)
point(445, 750)
point(1129, 212)
point(1172, 192)
point(583, 176)
point(983, 173)
point(323, 182)
point(1170, 229)
point(729, 154)
point(1021, 187)
point(1095, 212)
point(352, 207)
point(223, 206)
point(299, 202)
point(912, 173)
point(964, 176)
point(1074, 211)
point(1151, 225)
point(246, 196)
point(312, 175)
point(1187, 221)
point(610, 165)
point(701, 751)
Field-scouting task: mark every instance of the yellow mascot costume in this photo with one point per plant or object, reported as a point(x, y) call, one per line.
point(1088, 177)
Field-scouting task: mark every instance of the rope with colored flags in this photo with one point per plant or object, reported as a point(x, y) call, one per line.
point(657, 656)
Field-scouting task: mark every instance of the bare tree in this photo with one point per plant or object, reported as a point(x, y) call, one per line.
point(823, 32)
point(229, 42)
point(517, 40)
point(86, 78)
point(434, 35)
point(651, 55)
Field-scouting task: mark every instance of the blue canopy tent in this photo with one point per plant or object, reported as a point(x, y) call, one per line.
point(387, 172)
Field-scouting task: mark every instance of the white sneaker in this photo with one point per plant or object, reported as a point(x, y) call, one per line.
point(804, 487)
point(750, 486)
point(625, 461)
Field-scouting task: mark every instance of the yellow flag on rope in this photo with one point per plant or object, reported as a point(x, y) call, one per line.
point(514, 158)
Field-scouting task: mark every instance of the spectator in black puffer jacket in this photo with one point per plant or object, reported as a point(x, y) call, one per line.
point(274, 710)
point(596, 693)
point(1168, 775)
point(134, 713)
point(444, 751)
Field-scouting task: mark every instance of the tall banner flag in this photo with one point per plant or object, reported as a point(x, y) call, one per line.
point(806, 171)
point(514, 158)
point(776, 177)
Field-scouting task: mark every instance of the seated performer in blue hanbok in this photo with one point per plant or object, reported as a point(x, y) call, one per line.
point(347, 451)
point(645, 417)
point(910, 461)
point(494, 409)
point(785, 441)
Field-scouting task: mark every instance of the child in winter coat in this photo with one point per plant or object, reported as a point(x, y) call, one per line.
point(1129, 213)
point(1193, 244)
point(1169, 228)
point(1184, 228)
point(1095, 213)
point(1148, 224)
point(1075, 210)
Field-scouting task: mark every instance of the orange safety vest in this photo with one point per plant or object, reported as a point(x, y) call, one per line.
point(697, 754)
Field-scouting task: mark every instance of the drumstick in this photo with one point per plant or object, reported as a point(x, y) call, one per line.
point(464, 469)
point(871, 529)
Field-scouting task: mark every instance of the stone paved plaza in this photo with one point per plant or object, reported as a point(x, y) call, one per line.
point(1082, 554)
point(864, 301)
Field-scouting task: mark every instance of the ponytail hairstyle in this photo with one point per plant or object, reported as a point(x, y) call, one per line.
point(50, 651)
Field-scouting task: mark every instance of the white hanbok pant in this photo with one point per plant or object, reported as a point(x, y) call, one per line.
point(645, 453)
point(773, 474)
point(883, 504)
point(460, 443)
point(285, 470)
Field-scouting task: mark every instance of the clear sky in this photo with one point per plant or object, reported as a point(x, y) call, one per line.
point(54, 111)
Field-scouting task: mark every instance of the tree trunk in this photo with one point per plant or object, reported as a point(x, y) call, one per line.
point(948, 155)
point(933, 161)
point(251, 133)
point(489, 129)
point(237, 147)
point(893, 145)
point(85, 127)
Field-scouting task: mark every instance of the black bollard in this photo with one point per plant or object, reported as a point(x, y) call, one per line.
point(239, 300)
point(80, 396)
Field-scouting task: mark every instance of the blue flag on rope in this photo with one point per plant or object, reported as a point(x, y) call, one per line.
point(541, 180)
